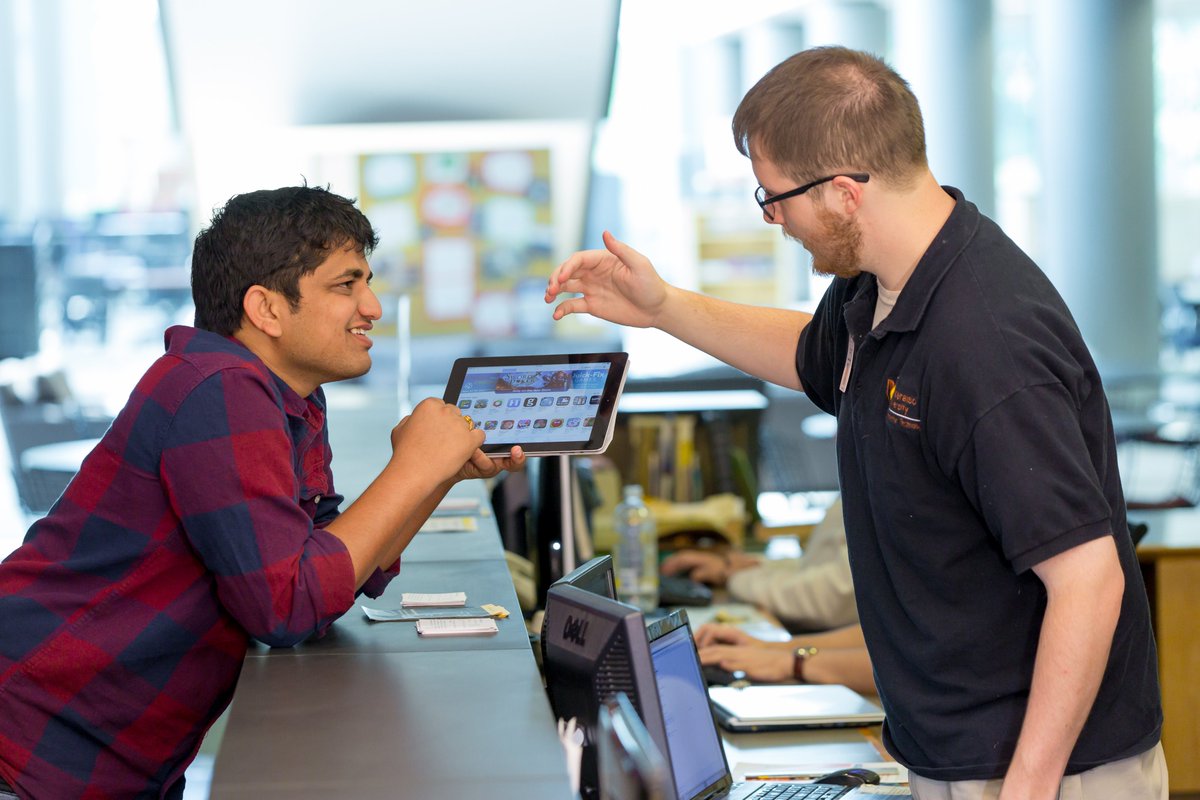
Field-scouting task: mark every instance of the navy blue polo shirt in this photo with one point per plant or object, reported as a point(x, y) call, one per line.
point(974, 442)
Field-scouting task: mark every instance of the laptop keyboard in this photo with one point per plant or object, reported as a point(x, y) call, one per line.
point(798, 791)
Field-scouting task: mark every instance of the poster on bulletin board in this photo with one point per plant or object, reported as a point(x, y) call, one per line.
point(469, 232)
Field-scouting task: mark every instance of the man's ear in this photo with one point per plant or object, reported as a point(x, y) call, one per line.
point(847, 194)
point(263, 310)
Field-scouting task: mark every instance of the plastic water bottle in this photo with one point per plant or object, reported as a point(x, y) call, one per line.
point(636, 556)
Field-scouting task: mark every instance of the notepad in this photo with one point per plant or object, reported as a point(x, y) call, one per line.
point(456, 627)
point(418, 599)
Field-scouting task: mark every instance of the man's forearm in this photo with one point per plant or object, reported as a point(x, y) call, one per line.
point(380, 523)
point(1073, 647)
point(758, 340)
point(413, 524)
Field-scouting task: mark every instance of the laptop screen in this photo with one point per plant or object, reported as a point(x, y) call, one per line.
point(696, 756)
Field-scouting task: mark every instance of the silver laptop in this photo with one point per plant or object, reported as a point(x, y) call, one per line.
point(695, 754)
point(791, 707)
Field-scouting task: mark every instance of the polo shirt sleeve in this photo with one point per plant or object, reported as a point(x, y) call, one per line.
point(228, 462)
point(817, 352)
point(1028, 471)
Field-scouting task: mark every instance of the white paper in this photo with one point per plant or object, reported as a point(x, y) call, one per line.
point(459, 505)
point(456, 627)
point(410, 599)
point(449, 525)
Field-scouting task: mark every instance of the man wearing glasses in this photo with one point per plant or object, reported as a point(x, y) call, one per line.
point(998, 590)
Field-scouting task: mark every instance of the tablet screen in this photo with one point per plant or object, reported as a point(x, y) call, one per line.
point(547, 404)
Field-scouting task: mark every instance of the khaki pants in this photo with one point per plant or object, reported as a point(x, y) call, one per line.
point(1142, 777)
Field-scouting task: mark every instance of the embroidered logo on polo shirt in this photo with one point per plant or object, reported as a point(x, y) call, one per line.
point(902, 408)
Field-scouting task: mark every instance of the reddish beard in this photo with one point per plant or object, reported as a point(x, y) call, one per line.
point(837, 249)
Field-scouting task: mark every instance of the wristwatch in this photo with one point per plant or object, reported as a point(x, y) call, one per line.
point(801, 655)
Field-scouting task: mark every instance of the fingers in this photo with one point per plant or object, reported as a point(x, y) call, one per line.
point(615, 245)
point(515, 461)
point(712, 633)
point(693, 561)
point(576, 305)
point(675, 563)
point(623, 252)
point(584, 259)
point(484, 464)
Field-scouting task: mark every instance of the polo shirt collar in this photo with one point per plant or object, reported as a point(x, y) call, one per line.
point(956, 233)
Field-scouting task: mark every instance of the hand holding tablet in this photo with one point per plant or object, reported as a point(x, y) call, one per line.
point(546, 404)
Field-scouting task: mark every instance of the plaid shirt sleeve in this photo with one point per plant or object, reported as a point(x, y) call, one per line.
point(244, 479)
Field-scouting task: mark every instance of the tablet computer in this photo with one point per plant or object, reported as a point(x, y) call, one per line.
point(547, 404)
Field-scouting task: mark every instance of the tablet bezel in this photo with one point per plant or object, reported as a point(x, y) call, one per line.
point(606, 412)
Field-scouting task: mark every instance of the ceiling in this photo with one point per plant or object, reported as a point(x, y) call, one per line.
point(278, 63)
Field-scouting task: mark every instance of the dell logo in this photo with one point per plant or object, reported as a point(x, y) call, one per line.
point(575, 630)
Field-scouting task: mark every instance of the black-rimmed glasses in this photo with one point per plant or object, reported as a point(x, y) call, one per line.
point(760, 194)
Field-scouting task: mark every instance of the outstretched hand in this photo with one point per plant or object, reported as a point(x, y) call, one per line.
point(617, 284)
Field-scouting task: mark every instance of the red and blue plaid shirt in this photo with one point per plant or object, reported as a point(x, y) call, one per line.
point(196, 524)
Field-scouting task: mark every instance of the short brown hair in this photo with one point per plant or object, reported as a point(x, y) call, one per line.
point(828, 109)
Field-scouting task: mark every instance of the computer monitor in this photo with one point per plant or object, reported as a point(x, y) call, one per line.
point(595, 576)
point(629, 762)
point(595, 647)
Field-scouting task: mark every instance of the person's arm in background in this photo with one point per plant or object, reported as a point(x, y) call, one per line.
point(1084, 589)
point(814, 593)
point(841, 656)
point(705, 566)
point(620, 285)
point(801, 595)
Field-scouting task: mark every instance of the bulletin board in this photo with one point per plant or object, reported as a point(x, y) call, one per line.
point(468, 234)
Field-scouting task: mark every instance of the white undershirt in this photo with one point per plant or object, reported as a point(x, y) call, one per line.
point(884, 304)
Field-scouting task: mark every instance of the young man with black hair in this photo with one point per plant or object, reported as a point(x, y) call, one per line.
point(207, 515)
point(998, 590)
